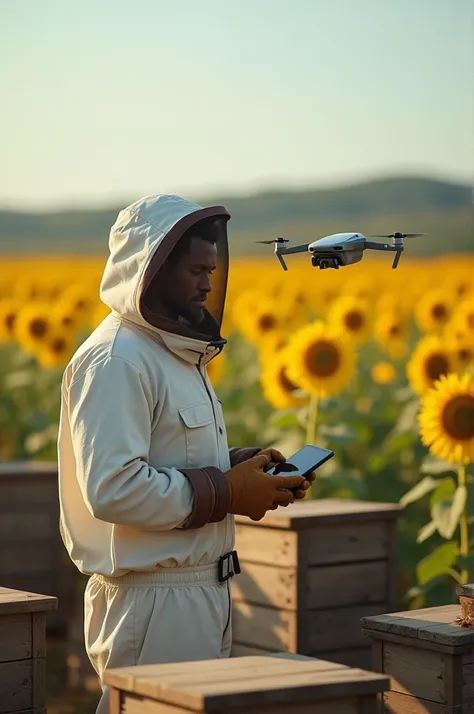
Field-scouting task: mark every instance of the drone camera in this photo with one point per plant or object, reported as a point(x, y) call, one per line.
point(324, 262)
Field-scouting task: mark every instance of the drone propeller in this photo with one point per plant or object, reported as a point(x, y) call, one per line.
point(398, 235)
point(273, 240)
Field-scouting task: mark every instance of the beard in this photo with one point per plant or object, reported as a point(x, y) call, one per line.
point(188, 312)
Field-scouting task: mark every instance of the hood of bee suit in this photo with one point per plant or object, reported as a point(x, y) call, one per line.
point(140, 241)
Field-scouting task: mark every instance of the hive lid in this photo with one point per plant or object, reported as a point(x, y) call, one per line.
point(306, 514)
point(433, 624)
point(19, 601)
point(27, 468)
point(245, 682)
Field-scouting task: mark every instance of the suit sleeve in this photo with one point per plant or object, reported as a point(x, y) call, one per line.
point(110, 410)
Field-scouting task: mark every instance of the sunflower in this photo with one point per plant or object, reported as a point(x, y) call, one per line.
point(56, 349)
point(79, 299)
point(430, 359)
point(464, 315)
point(433, 310)
point(261, 320)
point(447, 419)
point(279, 390)
point(9, 309)
point(352, 316)
point(320, 360)
point(391, 333)
point(383, 372)
point(271, 345)
point(32, 326)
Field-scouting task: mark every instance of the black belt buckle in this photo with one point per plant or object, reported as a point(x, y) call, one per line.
point(228, 566)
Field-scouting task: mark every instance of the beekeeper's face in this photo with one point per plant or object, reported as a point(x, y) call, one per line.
point(188, 280)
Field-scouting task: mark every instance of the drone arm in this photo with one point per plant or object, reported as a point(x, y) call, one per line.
point(296, 249)
point(374, 245)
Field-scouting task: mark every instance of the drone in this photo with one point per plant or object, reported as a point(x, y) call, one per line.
point(340, 249)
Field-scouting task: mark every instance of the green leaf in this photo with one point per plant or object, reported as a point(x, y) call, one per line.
point(446, 513)
point(437, 563)
point(426, 532)
point(467, 562)
point(444, 492)
point(421, 489)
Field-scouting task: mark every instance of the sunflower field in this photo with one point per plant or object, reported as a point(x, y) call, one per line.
point(374, 363)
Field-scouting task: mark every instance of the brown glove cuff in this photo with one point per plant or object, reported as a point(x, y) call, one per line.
point(238, 454)
point(211, 496)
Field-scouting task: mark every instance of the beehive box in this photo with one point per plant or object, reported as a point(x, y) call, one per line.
point(32, 555)
point(430, 660)
point(249, 685)
point(23, 651)
point(309, 573)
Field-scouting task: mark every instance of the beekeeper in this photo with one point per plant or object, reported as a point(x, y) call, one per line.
point(148, 486)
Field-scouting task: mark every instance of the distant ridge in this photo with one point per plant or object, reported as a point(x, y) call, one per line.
point(410, 202)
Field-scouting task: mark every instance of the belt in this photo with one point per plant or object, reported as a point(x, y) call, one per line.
point(227, 566)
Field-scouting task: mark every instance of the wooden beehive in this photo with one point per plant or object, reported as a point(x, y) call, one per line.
point(309, 573)
point(23, 651)
point(430, 660)
point(249, 685)
point(32, 555)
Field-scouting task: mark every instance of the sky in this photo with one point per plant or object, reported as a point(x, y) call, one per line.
point(104, 101)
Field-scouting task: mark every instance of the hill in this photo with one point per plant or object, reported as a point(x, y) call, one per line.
point(442, 208)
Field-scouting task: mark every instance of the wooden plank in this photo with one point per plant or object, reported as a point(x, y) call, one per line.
point(38, 634)
point(392, 572)
point(26, 494)
point(17, 601)
point(339, 626)
point(39, 681)
point(16, 686)
point(251, 681)
point(15, 637)
point(468, 677)
point(421, 644)
point(416, 672)
point(342, 543)
point(266, 585)
point(396, 703)
point(20, 527)
point(433, 624)
point(264, 627)
point(300, 515)
point(18, 559)
point(360, 658)
point(27, 468)
point(240, 650)
point(267, 546)
point(349, 584)
point(137, 705)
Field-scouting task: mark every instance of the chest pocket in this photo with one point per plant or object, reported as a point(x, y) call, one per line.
point(199, 430)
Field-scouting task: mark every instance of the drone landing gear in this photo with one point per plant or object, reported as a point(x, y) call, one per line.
point(324, 262)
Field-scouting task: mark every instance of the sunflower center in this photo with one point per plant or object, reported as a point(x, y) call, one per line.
point(439, 311)
point(285, 382)
point(354, 320)
point(322, 359)
point(458, 417)
point(436, 365)
point(465, 355)
point(470, 320)
point(266, 322)
point(58, 345)
point(394, 330)
point(10, 321)
point(67, 320)
point(38, 327)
